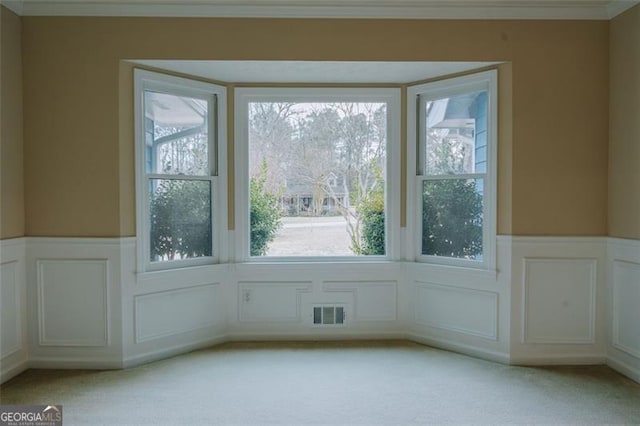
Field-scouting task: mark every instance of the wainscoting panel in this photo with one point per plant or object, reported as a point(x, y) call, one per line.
point(559, 300)
point(624, 300)
point(271, 301)
point(73, 302)
point(10, 315)
point(172, 312)
point(13, 308)
point(373, 300)
point(462, 309)
point(74, 294)
point(457, 309)
point(626, 312)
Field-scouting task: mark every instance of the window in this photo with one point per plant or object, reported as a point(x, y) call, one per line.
point(178, 155)
point(455, 170)
point(319, 172)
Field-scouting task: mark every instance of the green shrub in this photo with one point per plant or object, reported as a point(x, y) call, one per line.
point(373, 230)
point(452, 219)
point(180, 220)
point(265, 214)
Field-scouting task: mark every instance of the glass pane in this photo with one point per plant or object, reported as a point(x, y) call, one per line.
point(176, 134)
point(317, 178)
point(456, 134)
point(180, 219)
point(452, 218)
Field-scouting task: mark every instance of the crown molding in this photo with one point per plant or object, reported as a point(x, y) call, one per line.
point(380, 9)
point(16, 6)
point(615, 8)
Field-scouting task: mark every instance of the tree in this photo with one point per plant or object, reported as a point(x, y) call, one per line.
point(270, 135)
point(264, 213)
point(314, 155)
point(322, 151)
point(180, 220)
point(452, 219)
point(359, 149)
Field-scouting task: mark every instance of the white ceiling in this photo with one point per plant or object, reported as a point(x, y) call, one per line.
point(314, 71)
point(405, 9)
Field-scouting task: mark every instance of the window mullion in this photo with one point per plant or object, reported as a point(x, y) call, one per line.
point(421, 132)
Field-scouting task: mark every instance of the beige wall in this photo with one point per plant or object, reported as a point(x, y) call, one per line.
point(624, 149)
point(11, 146)
point(79, 137)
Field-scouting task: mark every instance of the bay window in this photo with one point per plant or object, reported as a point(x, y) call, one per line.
point(317, 173)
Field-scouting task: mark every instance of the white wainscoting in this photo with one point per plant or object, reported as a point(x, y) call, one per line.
point(372, 300)
point(625, 312)
point(74, 296)
point(624, 303)
point(462, 310)
point(10, 297)
point(80, 303)
point(13, 309)
point(280, 304)
point(73, 302)
point(171, 312)
point(558, 300)
point(271, 301)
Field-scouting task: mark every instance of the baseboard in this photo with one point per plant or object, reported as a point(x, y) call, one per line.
point(460, 348)
point(624, 369)
point(175, 350)
point(75, 363)
point(312, 337)
point(549, 359)
point(9, 373)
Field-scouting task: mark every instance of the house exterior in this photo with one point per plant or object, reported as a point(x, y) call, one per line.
point(299, 198)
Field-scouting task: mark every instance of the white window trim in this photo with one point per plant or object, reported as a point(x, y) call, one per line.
point(181, 86)
point(483, 80)
point(392, 202)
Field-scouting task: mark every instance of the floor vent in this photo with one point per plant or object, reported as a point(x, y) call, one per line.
point(328, 315)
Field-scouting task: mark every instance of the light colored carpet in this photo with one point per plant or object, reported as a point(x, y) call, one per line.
point(394, 383)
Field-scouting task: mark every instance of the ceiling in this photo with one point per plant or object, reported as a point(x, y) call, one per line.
point(343, 72)
point(403, 9)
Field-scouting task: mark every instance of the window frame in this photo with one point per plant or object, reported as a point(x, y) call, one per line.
point(244, 95)
point(416, 97)
point(217, 120)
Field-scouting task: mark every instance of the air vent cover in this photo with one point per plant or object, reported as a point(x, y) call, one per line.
point(328, 315)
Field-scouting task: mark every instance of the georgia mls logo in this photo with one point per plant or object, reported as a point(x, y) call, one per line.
point(51, 407)
point(30, 415)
